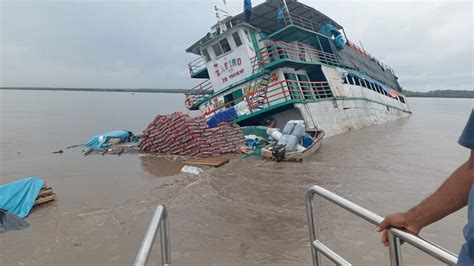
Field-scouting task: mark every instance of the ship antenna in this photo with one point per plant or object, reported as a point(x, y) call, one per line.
point(221, 14)
point(225, 6)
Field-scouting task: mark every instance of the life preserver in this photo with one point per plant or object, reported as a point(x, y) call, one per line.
point(188, 102)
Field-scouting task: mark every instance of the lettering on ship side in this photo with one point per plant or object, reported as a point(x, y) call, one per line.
point(229, 69)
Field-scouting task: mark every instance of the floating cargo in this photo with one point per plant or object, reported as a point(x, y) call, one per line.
point(180, 134)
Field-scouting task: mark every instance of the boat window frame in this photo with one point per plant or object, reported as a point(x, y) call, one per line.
point(401, 99)
point(227, 45)
point(205, 55)
point(239, 43)
point(351, 79)
point(217, 45)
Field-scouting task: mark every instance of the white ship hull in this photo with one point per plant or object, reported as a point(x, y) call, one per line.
point(355, 107)
point(340, 116)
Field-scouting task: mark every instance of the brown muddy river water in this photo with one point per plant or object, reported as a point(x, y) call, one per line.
point(248, 212)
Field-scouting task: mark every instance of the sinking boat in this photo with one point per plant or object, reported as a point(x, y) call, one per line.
point(297, 64)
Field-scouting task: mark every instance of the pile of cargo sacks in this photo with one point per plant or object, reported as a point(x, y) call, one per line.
point(180, 134)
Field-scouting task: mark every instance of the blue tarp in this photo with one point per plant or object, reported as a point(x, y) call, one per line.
point(18, 197)
point(225, 115)
point(340, 42)
point(247, 9)
point(100, 141)
point(329, 30)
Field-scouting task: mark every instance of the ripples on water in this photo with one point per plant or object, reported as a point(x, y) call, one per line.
point(248, 212)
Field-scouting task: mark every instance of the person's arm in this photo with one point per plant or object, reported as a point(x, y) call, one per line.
point(450, 197)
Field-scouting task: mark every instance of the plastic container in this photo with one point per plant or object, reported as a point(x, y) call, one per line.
point(289, 141)
point(307, 141)
point(274, 133)
point(288, 128)
point(298, 131)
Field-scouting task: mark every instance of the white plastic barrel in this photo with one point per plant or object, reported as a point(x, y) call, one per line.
point(274, 133)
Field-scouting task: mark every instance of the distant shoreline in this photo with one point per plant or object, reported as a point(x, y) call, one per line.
point(461, 94)
point(447, 97)
point(410, 94)
point(96, 89)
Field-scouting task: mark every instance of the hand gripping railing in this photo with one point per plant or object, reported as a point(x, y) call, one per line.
point(394, 235)
point(159, 216)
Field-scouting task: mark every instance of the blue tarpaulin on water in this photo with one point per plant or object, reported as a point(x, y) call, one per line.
point(100, 141)
point(18, 197)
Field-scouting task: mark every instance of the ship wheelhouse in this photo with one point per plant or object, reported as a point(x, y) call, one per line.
point(276, 66)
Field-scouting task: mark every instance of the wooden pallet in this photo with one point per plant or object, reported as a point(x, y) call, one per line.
point(46, 195)
point(216, 162)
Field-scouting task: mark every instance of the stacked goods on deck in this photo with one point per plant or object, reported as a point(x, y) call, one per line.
point(180, 134)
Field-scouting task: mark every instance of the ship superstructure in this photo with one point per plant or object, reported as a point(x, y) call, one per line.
point(290, 61)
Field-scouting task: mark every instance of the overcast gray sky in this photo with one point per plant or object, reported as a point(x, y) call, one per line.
point(140, 44)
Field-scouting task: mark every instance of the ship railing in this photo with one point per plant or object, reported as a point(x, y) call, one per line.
point(394, 234)
point(196, 65)
point(281, 50)
point(158, 221)
point(201, 91)
point(291, 18)
point(259, 97)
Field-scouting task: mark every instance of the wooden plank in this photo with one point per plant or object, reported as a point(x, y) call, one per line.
point(207, 159)
point(45, 192)
point(216, 162)
point(45, 199)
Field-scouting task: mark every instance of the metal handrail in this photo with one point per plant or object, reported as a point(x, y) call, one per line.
point(291, 18)
point(275, 92)
point(196, 65)
point(160, 215)
point(282, 50)
point(394, 234)
point(201, 91)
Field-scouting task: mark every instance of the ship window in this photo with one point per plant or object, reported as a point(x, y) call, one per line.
point(206, 55)
point(379, 89)
point(365, 83)
point(217, 49)
point(357, 81)
point(351, 79)
point(237, 40)
point(401, 99)
point(225, 45)
point(344, 80)
point(371, 86)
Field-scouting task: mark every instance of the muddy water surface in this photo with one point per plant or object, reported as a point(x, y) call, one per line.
point(248, 212)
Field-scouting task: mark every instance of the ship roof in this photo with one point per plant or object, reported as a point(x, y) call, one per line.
point(264, 17)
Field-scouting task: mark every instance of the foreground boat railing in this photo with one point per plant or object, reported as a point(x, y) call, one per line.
point(394, 235)
point(160, 217)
